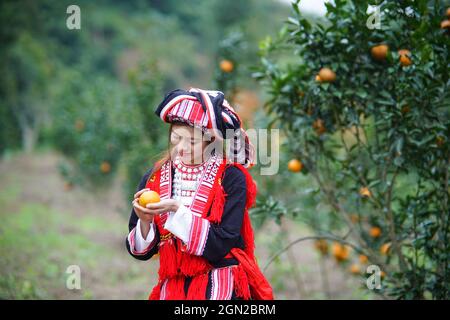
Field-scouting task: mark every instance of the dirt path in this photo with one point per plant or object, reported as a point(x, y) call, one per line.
point(91, 228)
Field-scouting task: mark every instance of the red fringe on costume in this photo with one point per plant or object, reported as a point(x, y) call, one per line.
point(175, 264)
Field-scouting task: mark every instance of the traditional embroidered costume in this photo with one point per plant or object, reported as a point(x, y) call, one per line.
point(206, 248)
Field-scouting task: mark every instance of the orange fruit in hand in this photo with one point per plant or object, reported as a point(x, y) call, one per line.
point(148, 197)
point(326, 75)
point(375, 232)
point(295, 165)
point(226, 66)
point(379, 52)
point(405, 59)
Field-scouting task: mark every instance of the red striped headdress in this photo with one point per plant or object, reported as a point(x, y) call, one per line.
point(209, 111)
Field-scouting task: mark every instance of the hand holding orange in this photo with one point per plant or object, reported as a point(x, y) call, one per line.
point(148, 197)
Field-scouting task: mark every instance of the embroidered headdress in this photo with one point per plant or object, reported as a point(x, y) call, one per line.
point(209, 111)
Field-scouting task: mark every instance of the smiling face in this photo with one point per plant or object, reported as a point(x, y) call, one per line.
point(188, 143)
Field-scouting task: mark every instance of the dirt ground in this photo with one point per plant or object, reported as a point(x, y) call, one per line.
point(47, 228)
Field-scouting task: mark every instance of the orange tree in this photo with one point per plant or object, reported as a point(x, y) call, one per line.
point(366, 112)
point(90, 126)
point(102, 126)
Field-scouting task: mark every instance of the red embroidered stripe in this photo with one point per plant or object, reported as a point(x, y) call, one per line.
point(222, 283)
point(198, 235)
point(167, 108)
point(132, 242)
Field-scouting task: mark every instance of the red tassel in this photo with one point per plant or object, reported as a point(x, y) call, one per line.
point(259, 286)
point(197, 287)
point(248, 236)
point(252, 190)
point(175, 288)
point(246, 229)
point(192, 265)
point(241, 286)
point(167, 260)
point(218, 204)
point(156, 292)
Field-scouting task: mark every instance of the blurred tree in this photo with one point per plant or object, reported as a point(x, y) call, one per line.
point(24, 83)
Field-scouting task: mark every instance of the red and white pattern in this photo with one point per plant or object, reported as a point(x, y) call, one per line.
point(198, 235)
point(163, 294)
point(165, 186)
point(132, 242)
point(169, 106)
point(206, 184)
point(199, 227)
point(222, 285)
point(189, 111)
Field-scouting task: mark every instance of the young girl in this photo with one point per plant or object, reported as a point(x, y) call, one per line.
point(201, 227)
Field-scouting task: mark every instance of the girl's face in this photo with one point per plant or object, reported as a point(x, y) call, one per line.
point(188, 143)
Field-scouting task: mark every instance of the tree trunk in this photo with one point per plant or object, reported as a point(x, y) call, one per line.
point(29, 136)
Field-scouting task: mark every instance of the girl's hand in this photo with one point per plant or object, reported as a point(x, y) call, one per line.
point(145, 215)
point(164, 205)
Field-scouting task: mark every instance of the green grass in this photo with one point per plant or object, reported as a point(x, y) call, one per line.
point(37, 245)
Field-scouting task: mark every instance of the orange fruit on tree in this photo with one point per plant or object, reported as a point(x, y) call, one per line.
point(384, 249)
point(375, 232)
point(327, 75)
point(340, 252)
point(355, 269)
point(105, 167)
point(365, 192)
point(363, 258)
point(295, 165)
point(79, 125)
point(354, 218)
point(445, 24)
point(68, 186)
point(226, 66)
point(148, 197)
point(317, 78)
point(380, 52)
point(404, 57)
point(319, 126)
point(405, 109)
point(448, 12)
point(322, 246)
